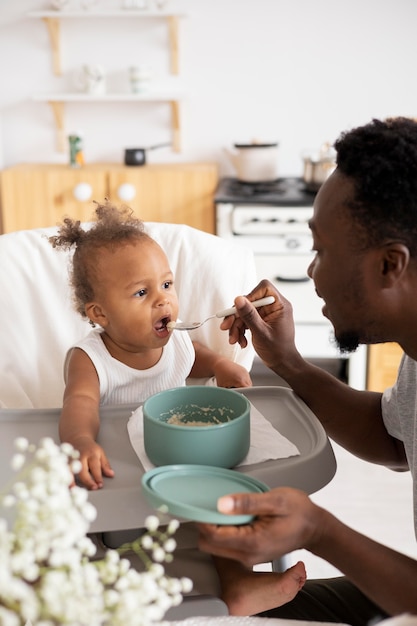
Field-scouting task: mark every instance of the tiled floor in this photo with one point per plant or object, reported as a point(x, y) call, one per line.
point(371, 499)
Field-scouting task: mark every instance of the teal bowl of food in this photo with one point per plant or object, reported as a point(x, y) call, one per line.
point(197, 425)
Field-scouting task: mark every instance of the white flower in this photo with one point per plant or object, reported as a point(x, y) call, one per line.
point(158, 554)
point(152, 523)
point(21, 444)
point(173, 526)
point(170, 545)
point(147, 542)
point(46, 575)
point(76, 466)
point(18, 461)
point(156, 570)
point(9, 500)
point(187, 584)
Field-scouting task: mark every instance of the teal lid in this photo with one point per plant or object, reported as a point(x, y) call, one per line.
point(192, 491)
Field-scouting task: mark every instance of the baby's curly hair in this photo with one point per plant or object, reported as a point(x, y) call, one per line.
point(381, 159)
point(113, 227)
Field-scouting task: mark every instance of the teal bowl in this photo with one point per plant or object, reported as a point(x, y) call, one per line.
point(197, 425)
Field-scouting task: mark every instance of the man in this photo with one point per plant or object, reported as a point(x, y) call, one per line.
point(364, 231)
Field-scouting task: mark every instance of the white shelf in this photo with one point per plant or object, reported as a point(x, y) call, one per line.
point(53, 19)
point(57, 101)
point(109, 97)
point(64, 14)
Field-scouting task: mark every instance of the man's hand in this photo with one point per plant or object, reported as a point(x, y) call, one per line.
point(271, 326)
point(285, 520)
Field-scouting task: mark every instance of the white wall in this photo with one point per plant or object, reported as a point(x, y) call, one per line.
point(296, 71)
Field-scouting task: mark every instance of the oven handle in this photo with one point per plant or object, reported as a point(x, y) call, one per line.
point(284, 279)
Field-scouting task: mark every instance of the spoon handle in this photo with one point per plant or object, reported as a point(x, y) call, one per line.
point(256, 303)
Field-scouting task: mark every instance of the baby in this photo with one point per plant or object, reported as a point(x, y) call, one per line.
point(124, 286)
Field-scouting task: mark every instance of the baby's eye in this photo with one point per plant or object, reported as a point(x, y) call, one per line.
point(167, 284)
point(140, 293)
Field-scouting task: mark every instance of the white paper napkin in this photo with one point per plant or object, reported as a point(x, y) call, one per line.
point(266, 442)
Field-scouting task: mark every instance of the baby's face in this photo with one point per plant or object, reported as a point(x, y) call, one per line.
point(136, 295)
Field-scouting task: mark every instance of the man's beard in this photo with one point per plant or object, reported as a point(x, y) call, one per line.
point(347, 342)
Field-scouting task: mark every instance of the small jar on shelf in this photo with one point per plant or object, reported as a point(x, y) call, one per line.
point(76, 151)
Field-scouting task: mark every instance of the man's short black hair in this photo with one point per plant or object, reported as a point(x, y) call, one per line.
point(381, 160)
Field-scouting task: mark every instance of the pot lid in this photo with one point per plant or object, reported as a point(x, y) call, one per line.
point(256, 144)
point(179, 489)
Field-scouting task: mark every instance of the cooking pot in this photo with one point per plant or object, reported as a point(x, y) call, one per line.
point(254, 162)
point(137, 156)
point(318, 166)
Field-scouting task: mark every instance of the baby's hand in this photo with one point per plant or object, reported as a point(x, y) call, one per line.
point(230, 374)
point(94, 464)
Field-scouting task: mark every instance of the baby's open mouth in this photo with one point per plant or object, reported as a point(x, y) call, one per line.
point(162, 324)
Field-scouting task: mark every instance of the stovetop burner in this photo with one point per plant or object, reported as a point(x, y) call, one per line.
point(279, 192)
point(250, 190)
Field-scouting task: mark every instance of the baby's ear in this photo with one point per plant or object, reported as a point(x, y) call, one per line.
point(95, 314)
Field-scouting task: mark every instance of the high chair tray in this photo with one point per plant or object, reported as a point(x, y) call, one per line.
point(121, 503)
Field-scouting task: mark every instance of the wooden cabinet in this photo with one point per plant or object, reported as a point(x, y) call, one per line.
point(36, 196)
point(383, 362)
point(170, 194)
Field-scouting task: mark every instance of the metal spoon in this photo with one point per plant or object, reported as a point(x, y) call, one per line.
point(224, 313)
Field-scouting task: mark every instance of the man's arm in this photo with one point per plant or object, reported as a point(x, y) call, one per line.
point(287, 520)
point(352, 418)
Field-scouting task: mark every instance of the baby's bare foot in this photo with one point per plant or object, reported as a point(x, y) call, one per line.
point(248, 592)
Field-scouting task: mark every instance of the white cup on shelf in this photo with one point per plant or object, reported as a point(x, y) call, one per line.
point(88, 4)
point(60, 5)
point(141, 5)
point(140, 77)
point(92, 79)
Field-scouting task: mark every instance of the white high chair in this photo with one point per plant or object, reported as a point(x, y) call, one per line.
point(39, 325)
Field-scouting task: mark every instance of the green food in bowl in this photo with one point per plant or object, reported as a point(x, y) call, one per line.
point(197, 425)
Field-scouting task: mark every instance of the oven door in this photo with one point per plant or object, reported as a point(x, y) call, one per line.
point(289, 275)
point(314, 333)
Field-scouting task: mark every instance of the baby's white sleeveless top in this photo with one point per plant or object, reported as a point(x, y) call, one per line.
point(121, 384)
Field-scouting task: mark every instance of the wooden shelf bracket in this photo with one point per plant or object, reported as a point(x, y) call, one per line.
point(58, 111)
point(53, 25)
point(174, 43)
point(176, 125)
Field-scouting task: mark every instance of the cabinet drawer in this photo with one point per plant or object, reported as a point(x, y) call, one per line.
point(37, 197)
point(383, 362)
point(179, 194)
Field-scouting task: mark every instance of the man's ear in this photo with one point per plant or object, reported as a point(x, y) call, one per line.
point(95, 313)
point(395, 260)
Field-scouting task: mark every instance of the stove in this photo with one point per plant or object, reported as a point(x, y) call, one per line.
point(259, 211)
point(290, 192)
point(271, 219)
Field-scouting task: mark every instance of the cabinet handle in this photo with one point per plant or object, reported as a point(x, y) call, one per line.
point(82, 192)
point(126, 192)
